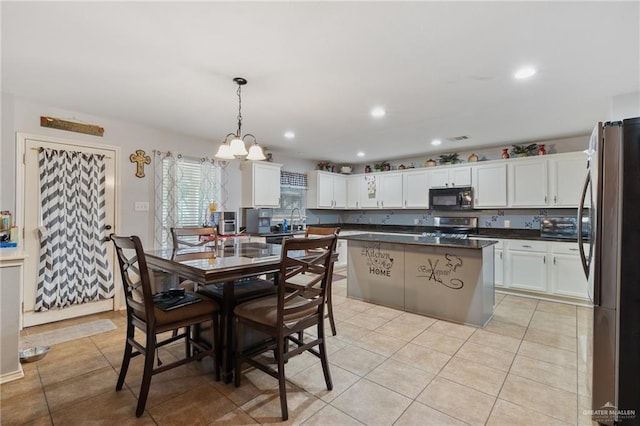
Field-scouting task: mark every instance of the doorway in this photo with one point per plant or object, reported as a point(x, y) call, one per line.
point(29, 214)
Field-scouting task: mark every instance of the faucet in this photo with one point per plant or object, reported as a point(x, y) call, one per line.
point(299, 217)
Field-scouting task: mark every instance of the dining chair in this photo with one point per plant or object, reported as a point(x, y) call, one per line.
point(290, 311)
point(145, 315)
point(312, 231)
point(192, 237)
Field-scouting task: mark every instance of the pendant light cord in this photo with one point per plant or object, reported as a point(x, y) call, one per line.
point(239, 134)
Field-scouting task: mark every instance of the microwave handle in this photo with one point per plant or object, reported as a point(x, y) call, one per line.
point(459, 198)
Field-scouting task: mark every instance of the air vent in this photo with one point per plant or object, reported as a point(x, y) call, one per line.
point(458, 138)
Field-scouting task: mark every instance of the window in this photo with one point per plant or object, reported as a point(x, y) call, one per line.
point(293, 193)
point(185, 187)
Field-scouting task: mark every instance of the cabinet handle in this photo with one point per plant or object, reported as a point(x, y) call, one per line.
point(405, 203)
point(555, 198)
point(476, 201)
point(357, 204)
point(545, 199)
point(554, 260)
point(453, 184)
point(446, 184)
point(544, 259)
point(382, 203)
point(500, 255)
point(526, 245)
point(573, 249)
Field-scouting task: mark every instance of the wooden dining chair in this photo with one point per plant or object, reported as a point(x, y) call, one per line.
point(193, 237)
point(292, 310)
point(145, 315)
point(314, 231)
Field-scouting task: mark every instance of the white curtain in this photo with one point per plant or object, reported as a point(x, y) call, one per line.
point(184, 189)
point(73, 267)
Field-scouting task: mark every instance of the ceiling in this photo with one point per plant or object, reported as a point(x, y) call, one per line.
point(440, 69)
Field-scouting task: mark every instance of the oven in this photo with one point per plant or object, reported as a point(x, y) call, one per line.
point(460, 198)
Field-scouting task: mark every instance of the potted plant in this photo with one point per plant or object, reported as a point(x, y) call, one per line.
point(382, 166)
point(524, 150)
point(449, 158)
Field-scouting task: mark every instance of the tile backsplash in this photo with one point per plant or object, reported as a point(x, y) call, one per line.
point(516, 218)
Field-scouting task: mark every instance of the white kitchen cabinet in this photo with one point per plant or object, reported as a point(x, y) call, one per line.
point(566, 275)
point(566, 177)
point(415, 186)
point(490, 185)
point(353, 192)
point(326, 190)
point(11, 284)
point(381, 190)
point(527, 265)
point(528, 185)
point(260, 184)
point(446, 177)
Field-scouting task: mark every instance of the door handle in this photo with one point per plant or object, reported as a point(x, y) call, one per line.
point(583, 257)
point(107, 227)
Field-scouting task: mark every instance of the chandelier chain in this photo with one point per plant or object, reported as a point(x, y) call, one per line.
point(239, 111)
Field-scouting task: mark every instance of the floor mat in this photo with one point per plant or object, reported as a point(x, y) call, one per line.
point(61, 335)
point(338, 277)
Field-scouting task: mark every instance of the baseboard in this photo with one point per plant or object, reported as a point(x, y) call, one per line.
point(15, 375)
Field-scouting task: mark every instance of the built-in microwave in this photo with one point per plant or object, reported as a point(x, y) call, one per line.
point(460, 198)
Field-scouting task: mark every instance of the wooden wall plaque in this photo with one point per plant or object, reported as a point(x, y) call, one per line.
point(70, 126)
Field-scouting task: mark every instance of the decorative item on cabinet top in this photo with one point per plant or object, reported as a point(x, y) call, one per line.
point(473, 158)
point(430, 163)
point(449, 158)
point(383, 166)
point(524, 151)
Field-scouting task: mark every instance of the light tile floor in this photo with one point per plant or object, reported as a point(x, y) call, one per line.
point(530, 366)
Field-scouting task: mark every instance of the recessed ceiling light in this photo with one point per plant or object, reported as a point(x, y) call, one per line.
point(436, 142)
point(378, 112)
point(360, 154)
point(289, 135)
point(525, 72)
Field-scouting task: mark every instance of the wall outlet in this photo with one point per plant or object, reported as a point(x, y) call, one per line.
point(141, 206)
point(416, 221)
point(507, 223)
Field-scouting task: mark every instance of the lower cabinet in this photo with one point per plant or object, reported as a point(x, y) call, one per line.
point(566, 276)
point(526, 265)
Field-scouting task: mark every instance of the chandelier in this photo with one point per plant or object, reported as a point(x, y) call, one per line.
point(236, 148)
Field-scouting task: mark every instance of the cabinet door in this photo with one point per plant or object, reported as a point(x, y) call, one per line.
point(416, 189)
point(567, 276)
point(439, 178)
point(339, 192)
point(528, 183)
point(391, 190)
point(499, 268)
point(353, 192)
point(567, 177)
point(369, 190)
point(528, 270)
point(325, 190)
point(266, 185)
point(490, 185)
point(460, 176)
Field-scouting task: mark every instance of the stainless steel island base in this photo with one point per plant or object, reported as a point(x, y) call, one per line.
point(452, 280)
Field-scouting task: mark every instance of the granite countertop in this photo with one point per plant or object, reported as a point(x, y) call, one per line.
point(501, 233)
point(419, 240)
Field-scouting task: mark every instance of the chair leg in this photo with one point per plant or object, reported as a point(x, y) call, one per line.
point(218, 347)
point(330, 310)
point(149, 354)
point(187, 341)
point(282, 383)
point(126, 357)
point(238, 354)
point(323, 356)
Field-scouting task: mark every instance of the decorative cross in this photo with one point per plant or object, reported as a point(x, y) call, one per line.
point(140, 159)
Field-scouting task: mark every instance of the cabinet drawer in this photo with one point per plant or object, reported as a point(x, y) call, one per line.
point(526, 245)
point(568, 248)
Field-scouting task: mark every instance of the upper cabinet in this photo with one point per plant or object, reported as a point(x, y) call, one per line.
point(381, 190)
point(448, 177)
point(260, 184)
point(326, 190)
point(554, 181)
point(490, 185)
point(415, 186)
point(353, 192)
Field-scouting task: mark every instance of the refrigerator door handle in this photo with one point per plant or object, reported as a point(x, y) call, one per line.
point(583, 257)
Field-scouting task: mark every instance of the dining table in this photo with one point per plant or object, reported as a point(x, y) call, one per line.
point(226, 265)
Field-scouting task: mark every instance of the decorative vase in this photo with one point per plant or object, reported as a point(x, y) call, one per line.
point(430, 163)
point(541, 150)
point(367, 169)
point(386, 167)
point(505, 153)
point(473, 158)
point(401, 167)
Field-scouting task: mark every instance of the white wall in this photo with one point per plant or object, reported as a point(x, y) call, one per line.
point(625, 106)
point(20, 115)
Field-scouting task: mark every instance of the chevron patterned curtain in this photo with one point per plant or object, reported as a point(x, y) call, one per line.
point(74, 267)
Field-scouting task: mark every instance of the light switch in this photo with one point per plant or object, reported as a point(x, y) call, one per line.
point(141, 206)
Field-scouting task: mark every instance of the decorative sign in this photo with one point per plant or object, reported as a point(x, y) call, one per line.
point(56, 123)
point(378, 261)
point(446, 274)
point(140, 159)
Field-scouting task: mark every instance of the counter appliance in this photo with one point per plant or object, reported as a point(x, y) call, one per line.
point(258, 221)
point(613, 180)
point(225, 222)
point(456, 198)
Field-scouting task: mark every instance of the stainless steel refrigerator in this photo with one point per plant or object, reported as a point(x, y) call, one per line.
point(613, 265)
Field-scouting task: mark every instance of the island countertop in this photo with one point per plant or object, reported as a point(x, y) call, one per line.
point(420, 240)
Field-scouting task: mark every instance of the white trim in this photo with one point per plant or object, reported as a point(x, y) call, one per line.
point(37, 318)
point(21, 139)
point(14, 375)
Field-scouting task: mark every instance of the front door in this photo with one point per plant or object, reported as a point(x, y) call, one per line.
point(31, 218)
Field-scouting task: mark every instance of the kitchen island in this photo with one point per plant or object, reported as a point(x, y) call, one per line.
point(451, 279)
